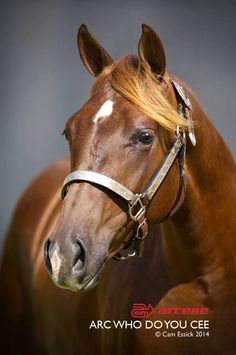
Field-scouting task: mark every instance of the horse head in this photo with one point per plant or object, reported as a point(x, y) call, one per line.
point(122, 132)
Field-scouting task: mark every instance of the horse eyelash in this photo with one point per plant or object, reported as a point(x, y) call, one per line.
point(63, 133)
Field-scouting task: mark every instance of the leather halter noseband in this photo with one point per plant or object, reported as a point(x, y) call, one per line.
point(137, 202)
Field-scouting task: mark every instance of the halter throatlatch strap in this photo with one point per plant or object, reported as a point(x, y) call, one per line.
point(137, 203)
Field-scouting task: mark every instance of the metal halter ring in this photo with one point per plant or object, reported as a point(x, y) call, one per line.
point(142, 230)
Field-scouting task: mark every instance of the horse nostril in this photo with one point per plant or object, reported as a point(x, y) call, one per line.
point(79, 258)
point(46, 255)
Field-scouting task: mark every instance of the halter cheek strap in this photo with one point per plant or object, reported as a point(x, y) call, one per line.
point(137, 203)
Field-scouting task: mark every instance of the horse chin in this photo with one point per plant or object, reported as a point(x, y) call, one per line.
point(75, 285)
point(78, 287)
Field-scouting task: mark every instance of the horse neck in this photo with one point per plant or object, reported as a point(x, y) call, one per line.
point(199, 239)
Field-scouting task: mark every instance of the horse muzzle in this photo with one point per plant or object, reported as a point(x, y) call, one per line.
point(69, 269)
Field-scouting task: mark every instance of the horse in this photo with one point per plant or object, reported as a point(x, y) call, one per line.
point(146, 165)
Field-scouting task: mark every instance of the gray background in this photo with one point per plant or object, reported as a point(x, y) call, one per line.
point(43, 81)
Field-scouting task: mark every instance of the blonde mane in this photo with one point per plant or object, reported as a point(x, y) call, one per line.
point(141, 88)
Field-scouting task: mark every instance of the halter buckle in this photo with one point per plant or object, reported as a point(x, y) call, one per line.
point(139, 216)
point(136, 216)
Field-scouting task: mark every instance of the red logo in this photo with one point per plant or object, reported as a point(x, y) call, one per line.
point(142, 310)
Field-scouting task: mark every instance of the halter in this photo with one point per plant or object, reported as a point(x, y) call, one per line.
point(137, 203)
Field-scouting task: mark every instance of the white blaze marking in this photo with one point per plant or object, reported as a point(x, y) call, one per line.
point(104, 111)
point(56, 264)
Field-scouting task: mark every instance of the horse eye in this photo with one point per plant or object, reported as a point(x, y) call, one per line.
point(145, 138)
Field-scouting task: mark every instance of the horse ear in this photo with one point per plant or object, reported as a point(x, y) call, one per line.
point(151, 51)
point(92, 54)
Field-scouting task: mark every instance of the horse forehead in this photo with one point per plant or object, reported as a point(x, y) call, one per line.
point(111, 110)
point(114, 108)
point(104, 111)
